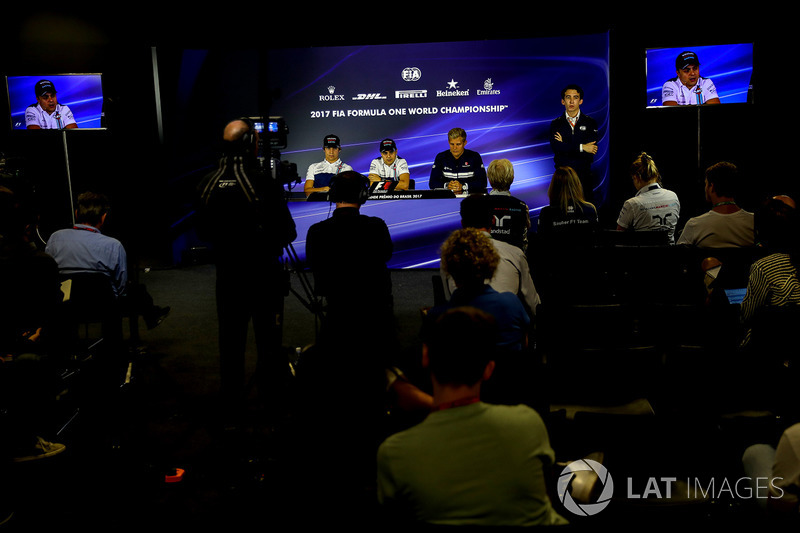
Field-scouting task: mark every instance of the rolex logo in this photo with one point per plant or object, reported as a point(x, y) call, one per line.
point(330, 97)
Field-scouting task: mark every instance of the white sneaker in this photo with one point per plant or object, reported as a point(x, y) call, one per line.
point(41, 450)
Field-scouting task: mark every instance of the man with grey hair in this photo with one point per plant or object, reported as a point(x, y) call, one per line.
point(513, 274)
point(458, 169)
point(511, 218)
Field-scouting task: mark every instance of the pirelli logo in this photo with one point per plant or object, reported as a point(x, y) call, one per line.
point(418, 93)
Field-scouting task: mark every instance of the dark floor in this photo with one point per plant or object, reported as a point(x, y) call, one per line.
point(113, 475)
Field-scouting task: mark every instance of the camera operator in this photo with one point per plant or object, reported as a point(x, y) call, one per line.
point(244, 216)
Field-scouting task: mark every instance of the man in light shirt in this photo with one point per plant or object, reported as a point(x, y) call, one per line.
point(725, 225)
point(389, 167)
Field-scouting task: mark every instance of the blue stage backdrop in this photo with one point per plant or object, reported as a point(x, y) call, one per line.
point(729, 66)
point(82, 93)
point(504, 93)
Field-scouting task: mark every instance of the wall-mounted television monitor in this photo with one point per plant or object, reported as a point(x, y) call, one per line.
point(692, 75)
point(504, 93)
point(78, 101)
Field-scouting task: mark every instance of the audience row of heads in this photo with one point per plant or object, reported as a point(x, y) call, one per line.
point(722, 177)
point(776, 221)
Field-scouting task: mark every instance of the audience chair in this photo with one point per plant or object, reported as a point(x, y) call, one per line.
point(771, 358)
point(92, 311)
point(97, 362)
point(439, 297)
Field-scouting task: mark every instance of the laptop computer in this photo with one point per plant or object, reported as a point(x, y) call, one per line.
point(735, 296)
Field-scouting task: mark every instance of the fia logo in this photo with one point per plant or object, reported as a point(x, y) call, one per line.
point(411, 74)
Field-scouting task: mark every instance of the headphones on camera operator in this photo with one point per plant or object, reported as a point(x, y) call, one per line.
point(248, 139)
point(349, 187)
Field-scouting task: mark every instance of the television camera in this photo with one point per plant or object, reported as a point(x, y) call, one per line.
point(272, 137)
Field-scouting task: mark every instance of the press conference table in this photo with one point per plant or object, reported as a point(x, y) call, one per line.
point(412, 194)
point(419, 221)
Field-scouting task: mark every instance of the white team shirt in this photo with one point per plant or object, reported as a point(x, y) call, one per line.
point(389, 172)
point(325, 167)
point(674, 91)
point(652, 208)
point(59, 119)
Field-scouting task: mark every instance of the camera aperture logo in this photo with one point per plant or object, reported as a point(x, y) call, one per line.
point(565, 481)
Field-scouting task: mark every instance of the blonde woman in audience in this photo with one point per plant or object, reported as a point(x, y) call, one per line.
point(652, 208)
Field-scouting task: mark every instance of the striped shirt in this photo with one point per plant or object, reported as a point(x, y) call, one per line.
point(773, 282)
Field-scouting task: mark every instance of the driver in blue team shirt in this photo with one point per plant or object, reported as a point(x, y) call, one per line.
point(318, 177)
point(389, 167)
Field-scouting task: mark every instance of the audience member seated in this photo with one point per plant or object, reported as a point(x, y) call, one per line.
point(653, 208)
point(30, 295)
point(725, 225)
point(468, 463)
point(470, 259)
point(348, 254)
point(405, 395)
point(560, 255)
point(770, 222)
point(569, 219)
point(84, 249)
point(773, 280)
point(511, 218)
point(512, 273)
point(775, 474)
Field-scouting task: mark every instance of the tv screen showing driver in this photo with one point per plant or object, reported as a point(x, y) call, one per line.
point(699, 75)
point(57, 101)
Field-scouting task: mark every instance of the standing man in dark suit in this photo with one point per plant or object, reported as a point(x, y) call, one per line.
point(573, 138)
